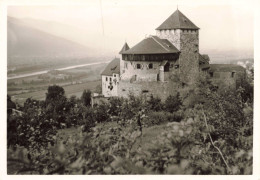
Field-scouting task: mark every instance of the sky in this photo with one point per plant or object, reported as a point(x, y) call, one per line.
point(225, 26)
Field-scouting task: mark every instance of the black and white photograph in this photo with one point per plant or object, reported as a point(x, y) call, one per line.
point(120, 87)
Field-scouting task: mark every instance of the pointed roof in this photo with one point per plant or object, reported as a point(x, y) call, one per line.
point(177, 21)
point(153, 45)
point(112, 67)
point(124, 48)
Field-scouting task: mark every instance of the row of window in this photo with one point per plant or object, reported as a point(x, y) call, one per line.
point(110, 79)
point(139, 66)
point(175, 30)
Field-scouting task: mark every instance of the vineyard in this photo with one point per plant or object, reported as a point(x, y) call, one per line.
point(198, 131)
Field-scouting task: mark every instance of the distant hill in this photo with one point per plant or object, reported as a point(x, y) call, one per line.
point(25, 41)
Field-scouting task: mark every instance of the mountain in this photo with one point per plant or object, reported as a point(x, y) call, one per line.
point(25, 41)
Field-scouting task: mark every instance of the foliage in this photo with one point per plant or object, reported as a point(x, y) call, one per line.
point(155, 104)
point(86, 97)
point(173, 103)
point(54, 93)
point(213, 136)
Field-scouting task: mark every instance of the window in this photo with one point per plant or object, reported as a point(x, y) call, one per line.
point(126, 65)
point(211, 74)
point(150, 66)
point(232, 74)
point(114, 75)
point(106, 78)
point(138, 66)
point(176, 66)
point(110, 79)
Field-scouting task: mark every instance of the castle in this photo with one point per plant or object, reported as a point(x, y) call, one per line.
point(149, 66)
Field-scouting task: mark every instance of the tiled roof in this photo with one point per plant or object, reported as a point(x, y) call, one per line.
point(177, 21)
point(124, 48)
point(112, 67)
point(226, 68)
point(153, 45)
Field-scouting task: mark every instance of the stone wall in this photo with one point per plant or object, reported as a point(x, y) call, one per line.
point(157, 89)
point(130, 71)
point(187, 41)
point(225, 80)
point(143, 74)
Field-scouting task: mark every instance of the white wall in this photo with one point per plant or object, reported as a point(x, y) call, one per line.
point(108, 81)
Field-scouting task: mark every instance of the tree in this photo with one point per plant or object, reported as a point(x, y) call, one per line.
point(54, 93)
point(86, 97)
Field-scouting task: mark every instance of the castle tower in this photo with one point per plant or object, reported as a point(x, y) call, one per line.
point(184, 35)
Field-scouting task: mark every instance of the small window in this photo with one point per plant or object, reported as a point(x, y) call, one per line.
point(110, 79)
point(211, 74)
point(138, 66)
point(106, 78)
point(176, 66)
point(233, 74)
point(145, 91)
point(126, 65)
point(114, 75)
point(150, 66)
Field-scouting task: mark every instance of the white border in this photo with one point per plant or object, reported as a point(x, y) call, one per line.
point(3, 91)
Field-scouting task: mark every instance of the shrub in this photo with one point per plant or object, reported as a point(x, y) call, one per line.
point(173, 103)
point(155, 104)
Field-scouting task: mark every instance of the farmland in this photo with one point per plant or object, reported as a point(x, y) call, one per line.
point(74, 82)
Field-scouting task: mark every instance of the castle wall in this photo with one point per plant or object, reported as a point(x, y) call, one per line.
point(130, 71)
point(225, 80)
point(157, 89)
point(107, 83)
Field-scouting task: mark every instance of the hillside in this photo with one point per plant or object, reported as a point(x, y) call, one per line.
point(23, 40)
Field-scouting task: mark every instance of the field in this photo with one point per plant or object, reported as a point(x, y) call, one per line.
point(74, 81)
point(75, 89)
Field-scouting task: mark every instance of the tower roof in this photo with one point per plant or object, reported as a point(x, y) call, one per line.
point(153, 45)
point(177, 21)
point(124, 48)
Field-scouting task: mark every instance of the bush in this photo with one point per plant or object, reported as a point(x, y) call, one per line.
point(155, 104)
point(173, 103)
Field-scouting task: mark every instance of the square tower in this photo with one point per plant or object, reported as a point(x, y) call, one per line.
point(184, 35)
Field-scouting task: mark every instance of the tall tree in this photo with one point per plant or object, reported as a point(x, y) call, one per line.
point(86, 97)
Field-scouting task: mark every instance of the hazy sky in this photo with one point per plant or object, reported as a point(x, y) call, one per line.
point(224, 25)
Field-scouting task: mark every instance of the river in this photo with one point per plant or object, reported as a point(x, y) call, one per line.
point(46, 71)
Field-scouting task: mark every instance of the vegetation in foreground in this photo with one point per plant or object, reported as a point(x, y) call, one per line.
point(204, 132)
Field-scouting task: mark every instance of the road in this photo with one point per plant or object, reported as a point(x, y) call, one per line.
point(46, 71)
